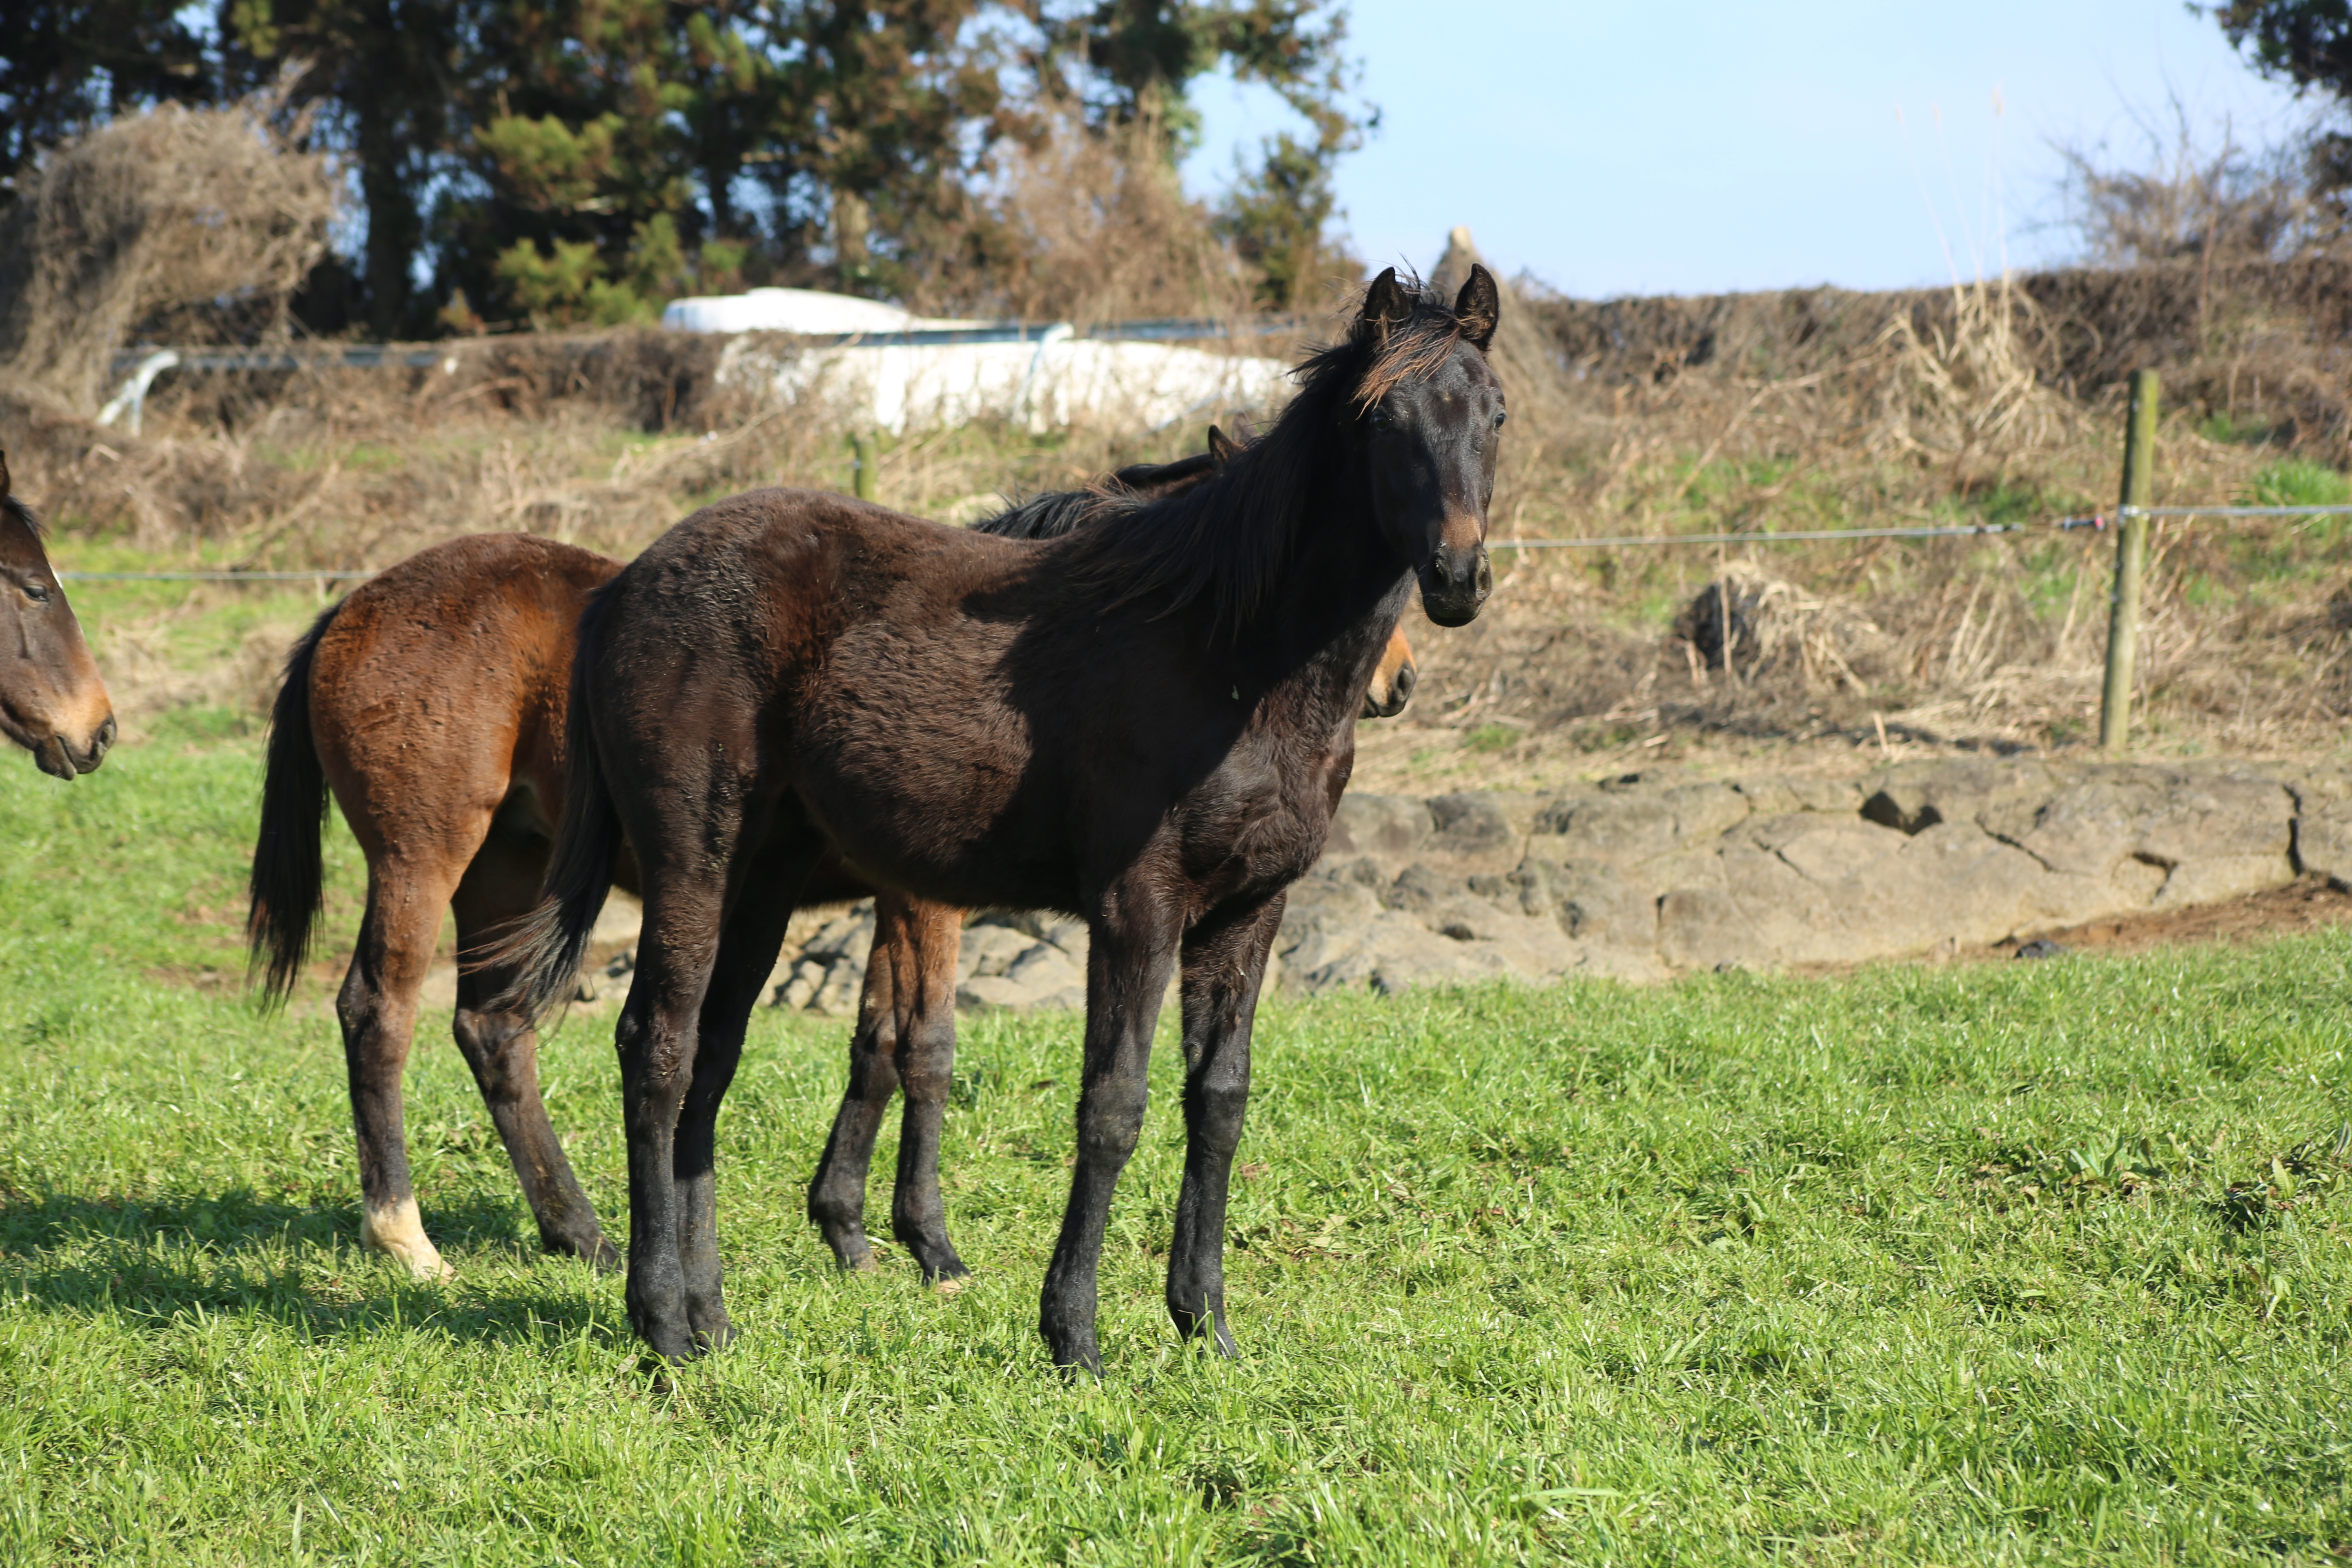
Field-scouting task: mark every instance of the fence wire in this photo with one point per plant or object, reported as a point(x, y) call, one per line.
point(1613, 541)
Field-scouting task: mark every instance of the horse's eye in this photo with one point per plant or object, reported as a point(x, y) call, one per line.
point(37, 592)
point(1382, 420)
point(1501, 415)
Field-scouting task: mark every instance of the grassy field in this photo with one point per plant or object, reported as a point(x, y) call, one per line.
point(2035, 1262)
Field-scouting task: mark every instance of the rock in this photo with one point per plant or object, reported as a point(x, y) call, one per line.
point(1419, 888)
point(1388, 828)
point(1641, 875)
point(2041, 947)
point(1911, 796)
point(1827, 849)
point(1591, 900)
point(2323, 827)
point(1605, 827)
point(2212, 837)
point(990, 949)
point(1770, 797)
point(1043, 975)
point(1701, 928)
point(1706, 810)
point(1485, 829)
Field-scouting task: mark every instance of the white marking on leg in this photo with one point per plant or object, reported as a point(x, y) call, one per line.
point(399, 1229)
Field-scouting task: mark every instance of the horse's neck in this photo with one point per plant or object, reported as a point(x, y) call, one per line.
point(1337, 603)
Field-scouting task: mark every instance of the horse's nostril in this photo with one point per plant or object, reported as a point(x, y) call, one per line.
point(1401, 689)
point(106, 734)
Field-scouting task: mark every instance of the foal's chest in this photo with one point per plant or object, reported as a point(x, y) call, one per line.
point(1258, 824)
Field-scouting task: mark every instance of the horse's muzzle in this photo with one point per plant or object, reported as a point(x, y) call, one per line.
point(99, 745)
point(59, 758)
point(1400, 687)
point(1455, 584)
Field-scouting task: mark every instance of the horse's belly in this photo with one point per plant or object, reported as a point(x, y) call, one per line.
point(924, 778)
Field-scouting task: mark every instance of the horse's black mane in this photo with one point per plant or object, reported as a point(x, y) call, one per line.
point(11, 507)
point(1058, 512)
point(1048, 516)
point(1229, 539)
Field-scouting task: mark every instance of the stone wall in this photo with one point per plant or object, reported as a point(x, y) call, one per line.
point(1642, 877)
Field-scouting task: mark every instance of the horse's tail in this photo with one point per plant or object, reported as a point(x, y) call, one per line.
point(287, 870)
point(546, 947)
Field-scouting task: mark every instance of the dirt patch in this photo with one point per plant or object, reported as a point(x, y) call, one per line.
point(2314, 903)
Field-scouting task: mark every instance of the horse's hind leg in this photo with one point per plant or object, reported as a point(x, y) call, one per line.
point(924, 988)
point(906, 1032)
point(377, 1007)
point(502, 1048)
point(747, 953)
point(836, 1194)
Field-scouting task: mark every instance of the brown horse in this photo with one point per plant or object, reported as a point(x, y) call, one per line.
point(430, 703)
point(1146, 722)
point(52, 701)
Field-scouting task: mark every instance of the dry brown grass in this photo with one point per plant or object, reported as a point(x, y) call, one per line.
point(1585, 660)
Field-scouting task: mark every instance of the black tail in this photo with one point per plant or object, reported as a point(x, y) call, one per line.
point(286, 875)
point(547, 946)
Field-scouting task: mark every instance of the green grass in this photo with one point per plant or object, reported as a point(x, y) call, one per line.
point(2015, 1263)
point(2298, 482)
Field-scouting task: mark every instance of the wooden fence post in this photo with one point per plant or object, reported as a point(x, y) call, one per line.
point(2131, 555)
point(861, 464)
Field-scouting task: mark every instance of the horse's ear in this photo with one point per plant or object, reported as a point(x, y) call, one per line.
point(1478, 307)
point(1223, 449)
point(1386, 304)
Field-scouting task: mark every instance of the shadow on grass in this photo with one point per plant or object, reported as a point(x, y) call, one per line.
point(234, 1254)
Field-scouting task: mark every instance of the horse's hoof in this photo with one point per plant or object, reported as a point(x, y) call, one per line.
point(397, 1231)
point(676, 1345)
point(1077, 1359)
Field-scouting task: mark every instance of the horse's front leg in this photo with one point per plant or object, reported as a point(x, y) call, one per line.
point(1224, 959)
point(1131, 951)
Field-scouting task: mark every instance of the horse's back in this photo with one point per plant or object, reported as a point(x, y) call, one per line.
point(441, 683)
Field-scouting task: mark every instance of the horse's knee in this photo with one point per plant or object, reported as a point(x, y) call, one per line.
point(1110, 1120)
point(1216, 1109)
point(358, 1004)
point(492, 1044)
point(927, 1062)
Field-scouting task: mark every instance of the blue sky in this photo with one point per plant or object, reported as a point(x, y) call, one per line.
point(1638, 149)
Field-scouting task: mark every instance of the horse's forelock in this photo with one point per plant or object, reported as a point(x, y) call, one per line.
point(1411, 350)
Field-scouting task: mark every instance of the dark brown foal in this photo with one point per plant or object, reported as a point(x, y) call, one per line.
point(52, 700)
point(1147, 722)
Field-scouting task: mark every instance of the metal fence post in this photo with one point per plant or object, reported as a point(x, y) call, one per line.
point(2131, 555)
point(861, 464)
